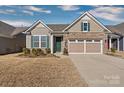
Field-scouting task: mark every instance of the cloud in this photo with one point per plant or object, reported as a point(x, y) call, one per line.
point(18, 23)
point(110, 13)
point(37, 9)
point(7, 11)
point(69, 7)
point(28, 12)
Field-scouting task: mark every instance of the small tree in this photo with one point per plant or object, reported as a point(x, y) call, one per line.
point(26, 51)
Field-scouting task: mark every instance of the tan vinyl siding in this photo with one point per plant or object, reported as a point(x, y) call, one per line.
point(94, 27)
point(28, 41)
point(40, 30)
point(37, 30)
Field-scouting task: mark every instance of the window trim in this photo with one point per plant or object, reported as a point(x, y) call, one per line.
point(43, 41)
point(87, 26)
point(40, 41)
point(35, 41)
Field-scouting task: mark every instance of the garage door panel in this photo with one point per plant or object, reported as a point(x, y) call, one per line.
point(93, 47)
point(76, 47)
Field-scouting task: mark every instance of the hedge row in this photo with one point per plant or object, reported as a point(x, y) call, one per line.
point(36, 51)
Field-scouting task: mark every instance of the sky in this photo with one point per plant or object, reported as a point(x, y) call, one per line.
point(17, 15)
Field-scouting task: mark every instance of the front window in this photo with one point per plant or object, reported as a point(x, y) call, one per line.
point(39, 41)
point(35, 41)
point(44, 41)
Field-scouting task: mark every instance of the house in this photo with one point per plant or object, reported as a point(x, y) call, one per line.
point(85, 35)
point(11, 39)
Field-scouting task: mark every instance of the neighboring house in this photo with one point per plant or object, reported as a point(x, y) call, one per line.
point(11, 39)
point(85, 35)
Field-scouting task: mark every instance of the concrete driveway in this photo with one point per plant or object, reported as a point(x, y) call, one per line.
point(100, 70)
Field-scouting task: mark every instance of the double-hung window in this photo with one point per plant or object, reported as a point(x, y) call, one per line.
point(44, 41)
point(39, 41)
point(35, 41)
point(85, 26)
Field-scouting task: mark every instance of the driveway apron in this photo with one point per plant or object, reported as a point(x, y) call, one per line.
point(100, 70)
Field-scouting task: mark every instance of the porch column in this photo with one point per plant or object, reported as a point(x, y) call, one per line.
point(51, 44)
point(118, 44)
point(110, 43)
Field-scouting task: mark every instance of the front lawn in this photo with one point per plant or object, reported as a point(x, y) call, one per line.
point(38, 72)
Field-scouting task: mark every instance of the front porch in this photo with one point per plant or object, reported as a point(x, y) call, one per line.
point(114, 42)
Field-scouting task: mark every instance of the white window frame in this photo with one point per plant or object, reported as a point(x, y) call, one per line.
point(35, 41)
point(87, 26)
point(44, 41)
point(40, 41)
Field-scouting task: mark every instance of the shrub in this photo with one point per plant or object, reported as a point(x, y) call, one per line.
point(65, 51)
point(113, 50)
point(40, 52)
point(26, 51)
point(48, 50)
point(34, 52)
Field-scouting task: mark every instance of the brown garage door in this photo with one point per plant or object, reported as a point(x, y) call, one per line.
point(85, 46)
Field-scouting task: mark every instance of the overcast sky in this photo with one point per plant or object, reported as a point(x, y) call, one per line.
point(26, 15)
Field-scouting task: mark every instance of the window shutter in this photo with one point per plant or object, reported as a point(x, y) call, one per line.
point(82, 26)
point(31, 41)
point(88, 26)
point(47, 41)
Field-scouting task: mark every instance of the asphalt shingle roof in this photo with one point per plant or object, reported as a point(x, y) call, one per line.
point(9, 31)
point(57, 27)
point(119, 28)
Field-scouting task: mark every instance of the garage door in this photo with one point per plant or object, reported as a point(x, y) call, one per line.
point(85, 47)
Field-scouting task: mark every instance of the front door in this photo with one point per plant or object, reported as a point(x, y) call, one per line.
point(58, 44)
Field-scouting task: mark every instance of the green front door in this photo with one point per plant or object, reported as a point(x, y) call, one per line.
point(58, 44)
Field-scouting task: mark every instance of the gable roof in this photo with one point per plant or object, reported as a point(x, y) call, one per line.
point(57, 27)
point(19, 30)
point(113, 29)
point(9, 31)
point(119, 28)
point(91, 16)
point(36, 23)
point(6, 29)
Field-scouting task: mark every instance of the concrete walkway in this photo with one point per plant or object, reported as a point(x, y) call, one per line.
point(100, 70)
